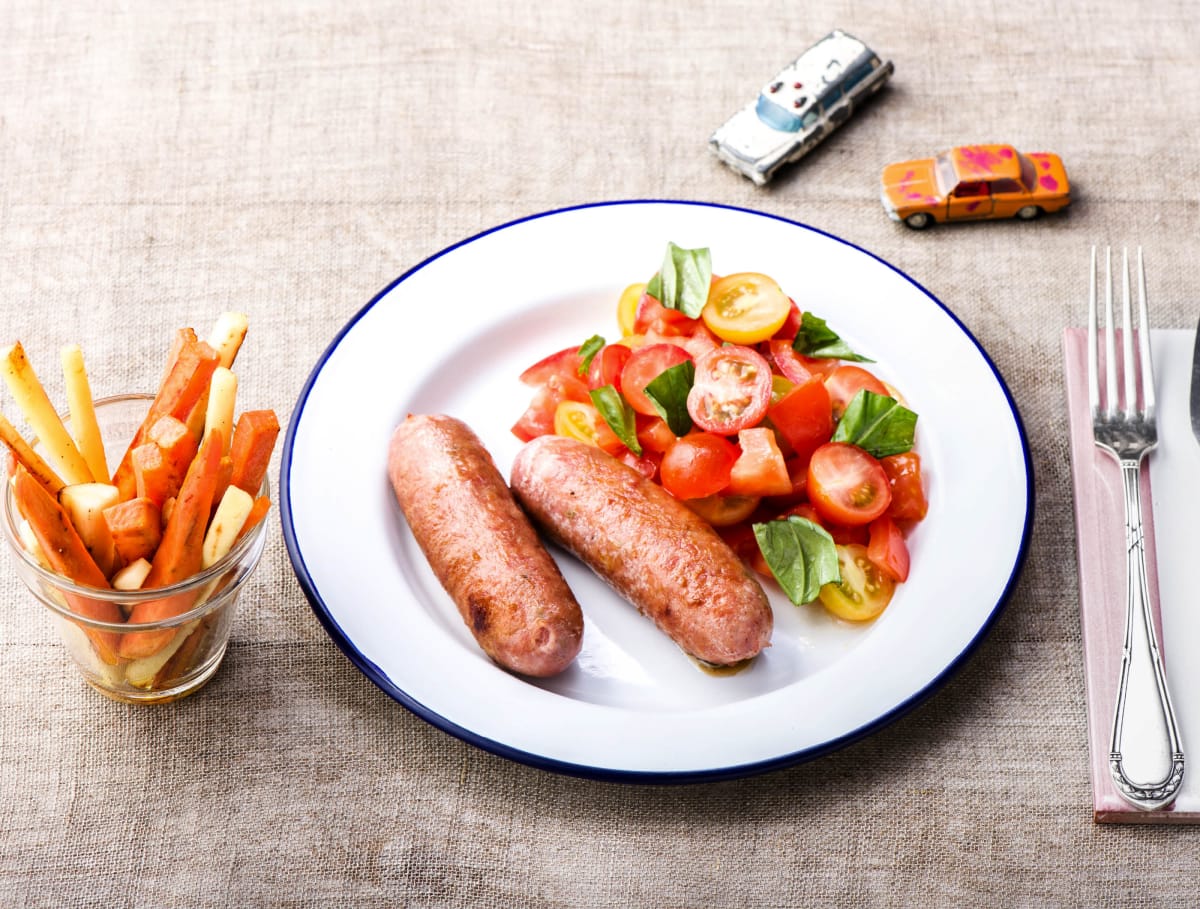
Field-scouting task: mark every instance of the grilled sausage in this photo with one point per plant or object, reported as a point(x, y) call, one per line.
point(654, 551)
point(482, 548)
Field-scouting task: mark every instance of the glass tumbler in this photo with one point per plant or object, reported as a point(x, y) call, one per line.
point(176, 655)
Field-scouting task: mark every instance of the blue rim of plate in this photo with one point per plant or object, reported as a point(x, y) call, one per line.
point(608, 774)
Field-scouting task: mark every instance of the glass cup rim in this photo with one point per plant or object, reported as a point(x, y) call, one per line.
point(129, 597)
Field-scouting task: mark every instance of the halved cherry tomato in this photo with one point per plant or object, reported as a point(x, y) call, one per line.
point(606, 366)
point(760, 469)
point(887, 549)
point(564, 364)
point(908, 494)
point(863, 592)
point(697, 465)
point(723, 510)
point(654, 434)
point(652, 316)
point(627, 306)
point(804, 417)
point(644, 366)
point(847, 381)
point(847, 485)
point(577, 420)
point(732, 390)
point(745, 308)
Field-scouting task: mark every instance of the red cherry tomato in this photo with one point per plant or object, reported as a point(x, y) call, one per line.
point(697, 465)
point(847, 485)
point(847, 381)
point(908, 493)
point(732, 390)
point(804, 417)
point(791, 325)
point(644, 366)
point(606, 366)
point(887, 549)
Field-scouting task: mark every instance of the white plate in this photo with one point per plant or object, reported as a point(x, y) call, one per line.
point(453, 334)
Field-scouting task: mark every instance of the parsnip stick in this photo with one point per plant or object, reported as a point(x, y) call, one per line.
point(39, 413)
point(222, 393)
point(83, 413)
point(30, 459)
point(227, 336)
point(226, 525)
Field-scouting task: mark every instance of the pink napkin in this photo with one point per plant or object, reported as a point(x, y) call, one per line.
point(1099, 521)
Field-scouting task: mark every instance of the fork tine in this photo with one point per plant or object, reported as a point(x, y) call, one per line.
point(1093, 345)
point(1110, 344)
point(1148, 400)
point(1128, 366)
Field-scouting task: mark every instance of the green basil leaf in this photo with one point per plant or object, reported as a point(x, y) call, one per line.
point(879, 425)
point(668, 392)
point(587, 350)
point(817, 340)
point(683, 281)
point(618, 415)
point(801, 555)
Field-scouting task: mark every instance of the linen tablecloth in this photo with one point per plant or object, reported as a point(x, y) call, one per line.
point(160, 163)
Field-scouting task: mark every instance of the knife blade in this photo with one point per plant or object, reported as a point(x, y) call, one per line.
point(1195, 400)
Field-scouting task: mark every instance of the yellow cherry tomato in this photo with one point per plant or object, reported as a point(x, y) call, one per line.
point(583, 422)
point(627, 307)
point(745, 308)
point(864, 591)
point(779, 387)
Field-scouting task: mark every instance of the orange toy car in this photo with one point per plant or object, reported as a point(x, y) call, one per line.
point(974, 183)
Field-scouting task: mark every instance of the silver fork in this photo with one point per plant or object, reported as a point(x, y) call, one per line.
point(1146, 756)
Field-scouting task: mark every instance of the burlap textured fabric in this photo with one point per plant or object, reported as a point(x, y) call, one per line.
point(162, 162)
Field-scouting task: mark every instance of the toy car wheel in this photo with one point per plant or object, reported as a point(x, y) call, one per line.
point(918, 220)
point(1028, 213)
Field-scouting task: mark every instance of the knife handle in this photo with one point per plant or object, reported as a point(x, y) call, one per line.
point(1146, 757)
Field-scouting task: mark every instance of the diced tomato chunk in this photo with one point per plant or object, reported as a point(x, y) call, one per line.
point(760, 469)
point(652, 316)
point(908, 493)
point(654, 434)
point(887, 549)
point(740, 538)
point(606, 366)
point(564, 364)
point(804, 417)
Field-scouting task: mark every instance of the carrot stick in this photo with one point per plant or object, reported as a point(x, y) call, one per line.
point(180, 553)
point(152, 476)
point(253, 439)
point(28, 458)
point(184, 385)
point(67, 555)
point(136, 528)
point(178, 447)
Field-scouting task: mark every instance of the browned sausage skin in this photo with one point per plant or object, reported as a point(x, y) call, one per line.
point(482, 548)
point(653, 550)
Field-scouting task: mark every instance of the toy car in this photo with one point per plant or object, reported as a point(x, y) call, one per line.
point(973, 183)
point(802, 105)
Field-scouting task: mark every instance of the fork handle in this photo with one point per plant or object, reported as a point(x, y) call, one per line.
point(1146, 757)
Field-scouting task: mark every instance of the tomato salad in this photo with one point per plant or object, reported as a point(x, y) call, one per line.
point(760, 418)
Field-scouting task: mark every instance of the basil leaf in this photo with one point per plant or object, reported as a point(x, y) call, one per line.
point(618, 415)
point(668, 392)
point(587, 350)
point(817, 340)
point(683, 281)
point(801, 555)
point(879, 425)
